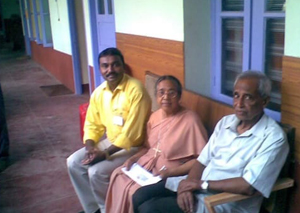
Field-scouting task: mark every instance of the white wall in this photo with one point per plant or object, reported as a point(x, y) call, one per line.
point(60, 26)
point(292, 29)
point(87, 23)
point(80, 25)
point(152, 18)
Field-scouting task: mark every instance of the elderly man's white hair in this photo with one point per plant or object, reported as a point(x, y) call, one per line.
point(264, 86)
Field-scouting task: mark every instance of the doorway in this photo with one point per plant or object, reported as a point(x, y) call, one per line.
point(105, 24)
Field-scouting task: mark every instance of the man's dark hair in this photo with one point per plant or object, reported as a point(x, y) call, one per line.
point(111, 51)
point(171, 78)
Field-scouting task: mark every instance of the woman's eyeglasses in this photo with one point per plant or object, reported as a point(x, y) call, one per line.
point(170, 93)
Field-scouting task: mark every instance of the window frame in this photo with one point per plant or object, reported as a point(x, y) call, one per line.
point(37, 32)
point(28, 19)
point(43, 14)
point(36, 15)
point(254, 43)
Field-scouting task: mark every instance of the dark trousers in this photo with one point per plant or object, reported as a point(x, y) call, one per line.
point(155, 198)
point(4, 141)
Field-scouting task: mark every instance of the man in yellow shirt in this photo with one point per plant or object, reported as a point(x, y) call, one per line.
point(119, 108)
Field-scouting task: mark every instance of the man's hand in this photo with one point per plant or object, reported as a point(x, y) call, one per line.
point(133, 159)
point(185, 197)
point(188, 185)
point(129, 162)
point(93, 155)
point(185, 201)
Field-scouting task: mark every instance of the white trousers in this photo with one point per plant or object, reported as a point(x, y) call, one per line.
point(91, 182)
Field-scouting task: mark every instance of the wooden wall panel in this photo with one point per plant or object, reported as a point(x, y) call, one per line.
point(57, 63)
point(159, 56)
point(290, 107)
point(290, 113)
point(210, 111)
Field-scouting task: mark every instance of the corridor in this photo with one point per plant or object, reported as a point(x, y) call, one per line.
point(43, 131)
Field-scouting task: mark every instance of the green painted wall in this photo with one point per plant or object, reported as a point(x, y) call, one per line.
point(292, 28)
point(10, 7)
point(197, 46)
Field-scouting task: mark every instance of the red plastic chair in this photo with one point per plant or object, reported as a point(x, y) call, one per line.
point(82, 113)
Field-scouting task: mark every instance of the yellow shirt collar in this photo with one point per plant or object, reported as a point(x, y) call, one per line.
point(121, 85)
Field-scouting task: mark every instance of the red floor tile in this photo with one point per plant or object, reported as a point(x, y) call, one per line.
point(43, 132)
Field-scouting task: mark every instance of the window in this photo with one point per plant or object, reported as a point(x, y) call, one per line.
point(249, 34)
point(29, 16)
point(38, 21)
point(101, 7)
point(45, 23)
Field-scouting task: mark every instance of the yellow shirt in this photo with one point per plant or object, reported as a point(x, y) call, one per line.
point(122, 114)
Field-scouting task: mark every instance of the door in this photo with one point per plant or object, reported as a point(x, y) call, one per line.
point(106, 34)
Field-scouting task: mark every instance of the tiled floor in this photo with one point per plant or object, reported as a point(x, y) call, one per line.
point(43, 132)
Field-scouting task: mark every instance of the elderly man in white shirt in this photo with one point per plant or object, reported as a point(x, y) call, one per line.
point(244, 155)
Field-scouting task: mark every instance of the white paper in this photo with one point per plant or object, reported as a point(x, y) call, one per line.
point(140, 175)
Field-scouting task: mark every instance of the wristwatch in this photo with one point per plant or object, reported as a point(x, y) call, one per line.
point(204, 185)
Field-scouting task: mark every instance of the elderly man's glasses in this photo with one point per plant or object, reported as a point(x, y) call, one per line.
point(169, 93)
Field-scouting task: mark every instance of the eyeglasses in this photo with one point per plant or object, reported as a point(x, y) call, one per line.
point(170, 93)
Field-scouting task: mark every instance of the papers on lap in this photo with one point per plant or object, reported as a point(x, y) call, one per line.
point(140, 175)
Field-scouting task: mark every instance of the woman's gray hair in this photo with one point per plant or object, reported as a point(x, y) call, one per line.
point(264, 85)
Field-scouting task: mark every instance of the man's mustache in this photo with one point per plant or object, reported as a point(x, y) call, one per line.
point(112, 73)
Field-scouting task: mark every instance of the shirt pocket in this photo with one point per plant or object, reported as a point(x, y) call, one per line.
point(124, 111)
point(124, 106)
point(230, 163)
point(238, 162)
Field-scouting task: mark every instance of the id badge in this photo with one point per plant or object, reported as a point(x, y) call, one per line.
point(118, 120)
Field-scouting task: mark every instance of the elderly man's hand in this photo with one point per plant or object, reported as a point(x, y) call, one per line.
point(93, 155)
point(185, 201)
point(185, 197)
point(188, 185)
